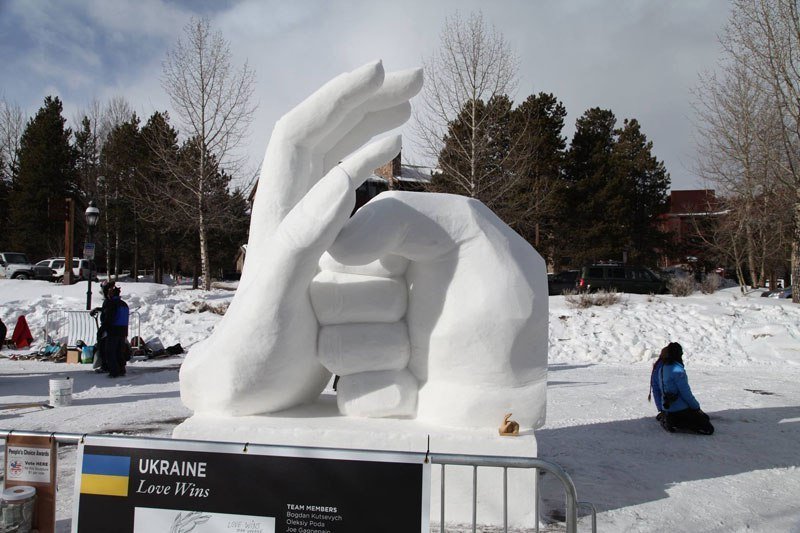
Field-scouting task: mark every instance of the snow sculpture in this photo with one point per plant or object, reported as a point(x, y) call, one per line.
point(427, 305)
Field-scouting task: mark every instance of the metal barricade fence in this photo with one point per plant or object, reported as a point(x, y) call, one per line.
point(443, 459)
point(69, 326)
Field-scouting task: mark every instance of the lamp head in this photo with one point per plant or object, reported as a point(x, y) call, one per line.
point(92, 215)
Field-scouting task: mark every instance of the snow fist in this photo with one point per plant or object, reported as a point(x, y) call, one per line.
point(447, 319)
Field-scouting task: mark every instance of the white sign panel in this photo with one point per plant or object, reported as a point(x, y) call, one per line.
point(28, 464)
point(88, 250)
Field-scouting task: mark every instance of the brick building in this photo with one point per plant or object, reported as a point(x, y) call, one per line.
point(393, 176)
point(689, 211)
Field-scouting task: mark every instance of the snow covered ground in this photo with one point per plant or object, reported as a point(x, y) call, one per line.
point(742, 355)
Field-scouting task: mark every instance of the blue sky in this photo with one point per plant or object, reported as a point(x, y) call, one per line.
point(638, 58)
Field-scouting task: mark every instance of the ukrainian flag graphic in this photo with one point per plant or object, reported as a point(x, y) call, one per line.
point(105, 475)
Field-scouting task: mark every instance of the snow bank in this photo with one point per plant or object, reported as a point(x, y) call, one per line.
point(725, 328)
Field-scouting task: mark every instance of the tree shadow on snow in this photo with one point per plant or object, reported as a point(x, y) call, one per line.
point(621, 463)
point(126, 398)
point(38, 384)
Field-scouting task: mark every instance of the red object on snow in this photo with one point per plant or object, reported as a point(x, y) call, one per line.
point(22, 337)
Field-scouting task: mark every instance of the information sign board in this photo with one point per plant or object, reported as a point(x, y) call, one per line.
point(88, 251)
point(153, 485)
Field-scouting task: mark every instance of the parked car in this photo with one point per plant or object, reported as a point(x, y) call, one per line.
point(779, 293)
point(619, 277)
point(15, 265)
point(42, 270)
point(80, 268)
point(563, 281)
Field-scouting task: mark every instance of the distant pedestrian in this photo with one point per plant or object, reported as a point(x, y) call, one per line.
point(113, 332)
point(677, 406)
point(3, 331)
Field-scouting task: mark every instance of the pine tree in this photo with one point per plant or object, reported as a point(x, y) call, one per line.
point(45, 177)
point(482, 130)
point(155, 191)
point(645, 182)
point(539, 121)
point(225, 238)
point(88, 158)
point(614, 190)
point(122, 156)
point(587, 206)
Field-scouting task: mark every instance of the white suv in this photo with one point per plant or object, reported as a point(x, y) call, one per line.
point(80, 268)
point(14, 265)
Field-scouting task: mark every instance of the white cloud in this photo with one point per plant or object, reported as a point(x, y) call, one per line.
point(637, 58)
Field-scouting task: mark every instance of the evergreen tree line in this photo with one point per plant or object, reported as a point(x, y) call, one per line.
point(598, 199)
point(140, 177)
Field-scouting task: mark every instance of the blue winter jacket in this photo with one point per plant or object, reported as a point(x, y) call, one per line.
point(114, 317)
point(673, 376)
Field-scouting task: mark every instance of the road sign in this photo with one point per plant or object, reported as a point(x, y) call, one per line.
point(88, 251)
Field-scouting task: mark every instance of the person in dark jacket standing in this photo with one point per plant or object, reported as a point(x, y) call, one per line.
point(677, 406)
point(113, 332)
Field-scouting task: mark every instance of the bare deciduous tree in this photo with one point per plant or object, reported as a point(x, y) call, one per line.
point(116, 111)
point(473, 67)
point(739, 144)
point(12, 122)
point(212, 103)
point(763, 36)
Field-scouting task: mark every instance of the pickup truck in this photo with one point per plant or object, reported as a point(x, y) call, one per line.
point(15, 265)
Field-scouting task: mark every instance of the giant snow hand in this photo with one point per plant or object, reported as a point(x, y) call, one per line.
point(262, 356)
point(445, 320)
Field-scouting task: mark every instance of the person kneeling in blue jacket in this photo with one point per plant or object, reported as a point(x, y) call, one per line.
point(677, 406)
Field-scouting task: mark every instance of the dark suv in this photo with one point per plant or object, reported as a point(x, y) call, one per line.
point(622, 278)
point(563, 281)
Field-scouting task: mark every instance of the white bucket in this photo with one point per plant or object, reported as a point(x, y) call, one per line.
point(18, 504)
point(60, 392)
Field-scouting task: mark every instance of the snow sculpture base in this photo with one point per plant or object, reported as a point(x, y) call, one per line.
point(321, 424)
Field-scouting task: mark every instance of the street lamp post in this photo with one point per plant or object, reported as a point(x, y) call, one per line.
point(92, 217)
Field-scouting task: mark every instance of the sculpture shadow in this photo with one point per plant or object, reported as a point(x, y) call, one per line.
point(621, 463)
point(555, 367)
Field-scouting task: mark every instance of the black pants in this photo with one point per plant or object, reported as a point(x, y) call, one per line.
point(113, 355)
point(688, 420)
point(3, 331)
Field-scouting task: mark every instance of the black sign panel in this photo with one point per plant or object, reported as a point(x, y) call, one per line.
point(152, 486)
